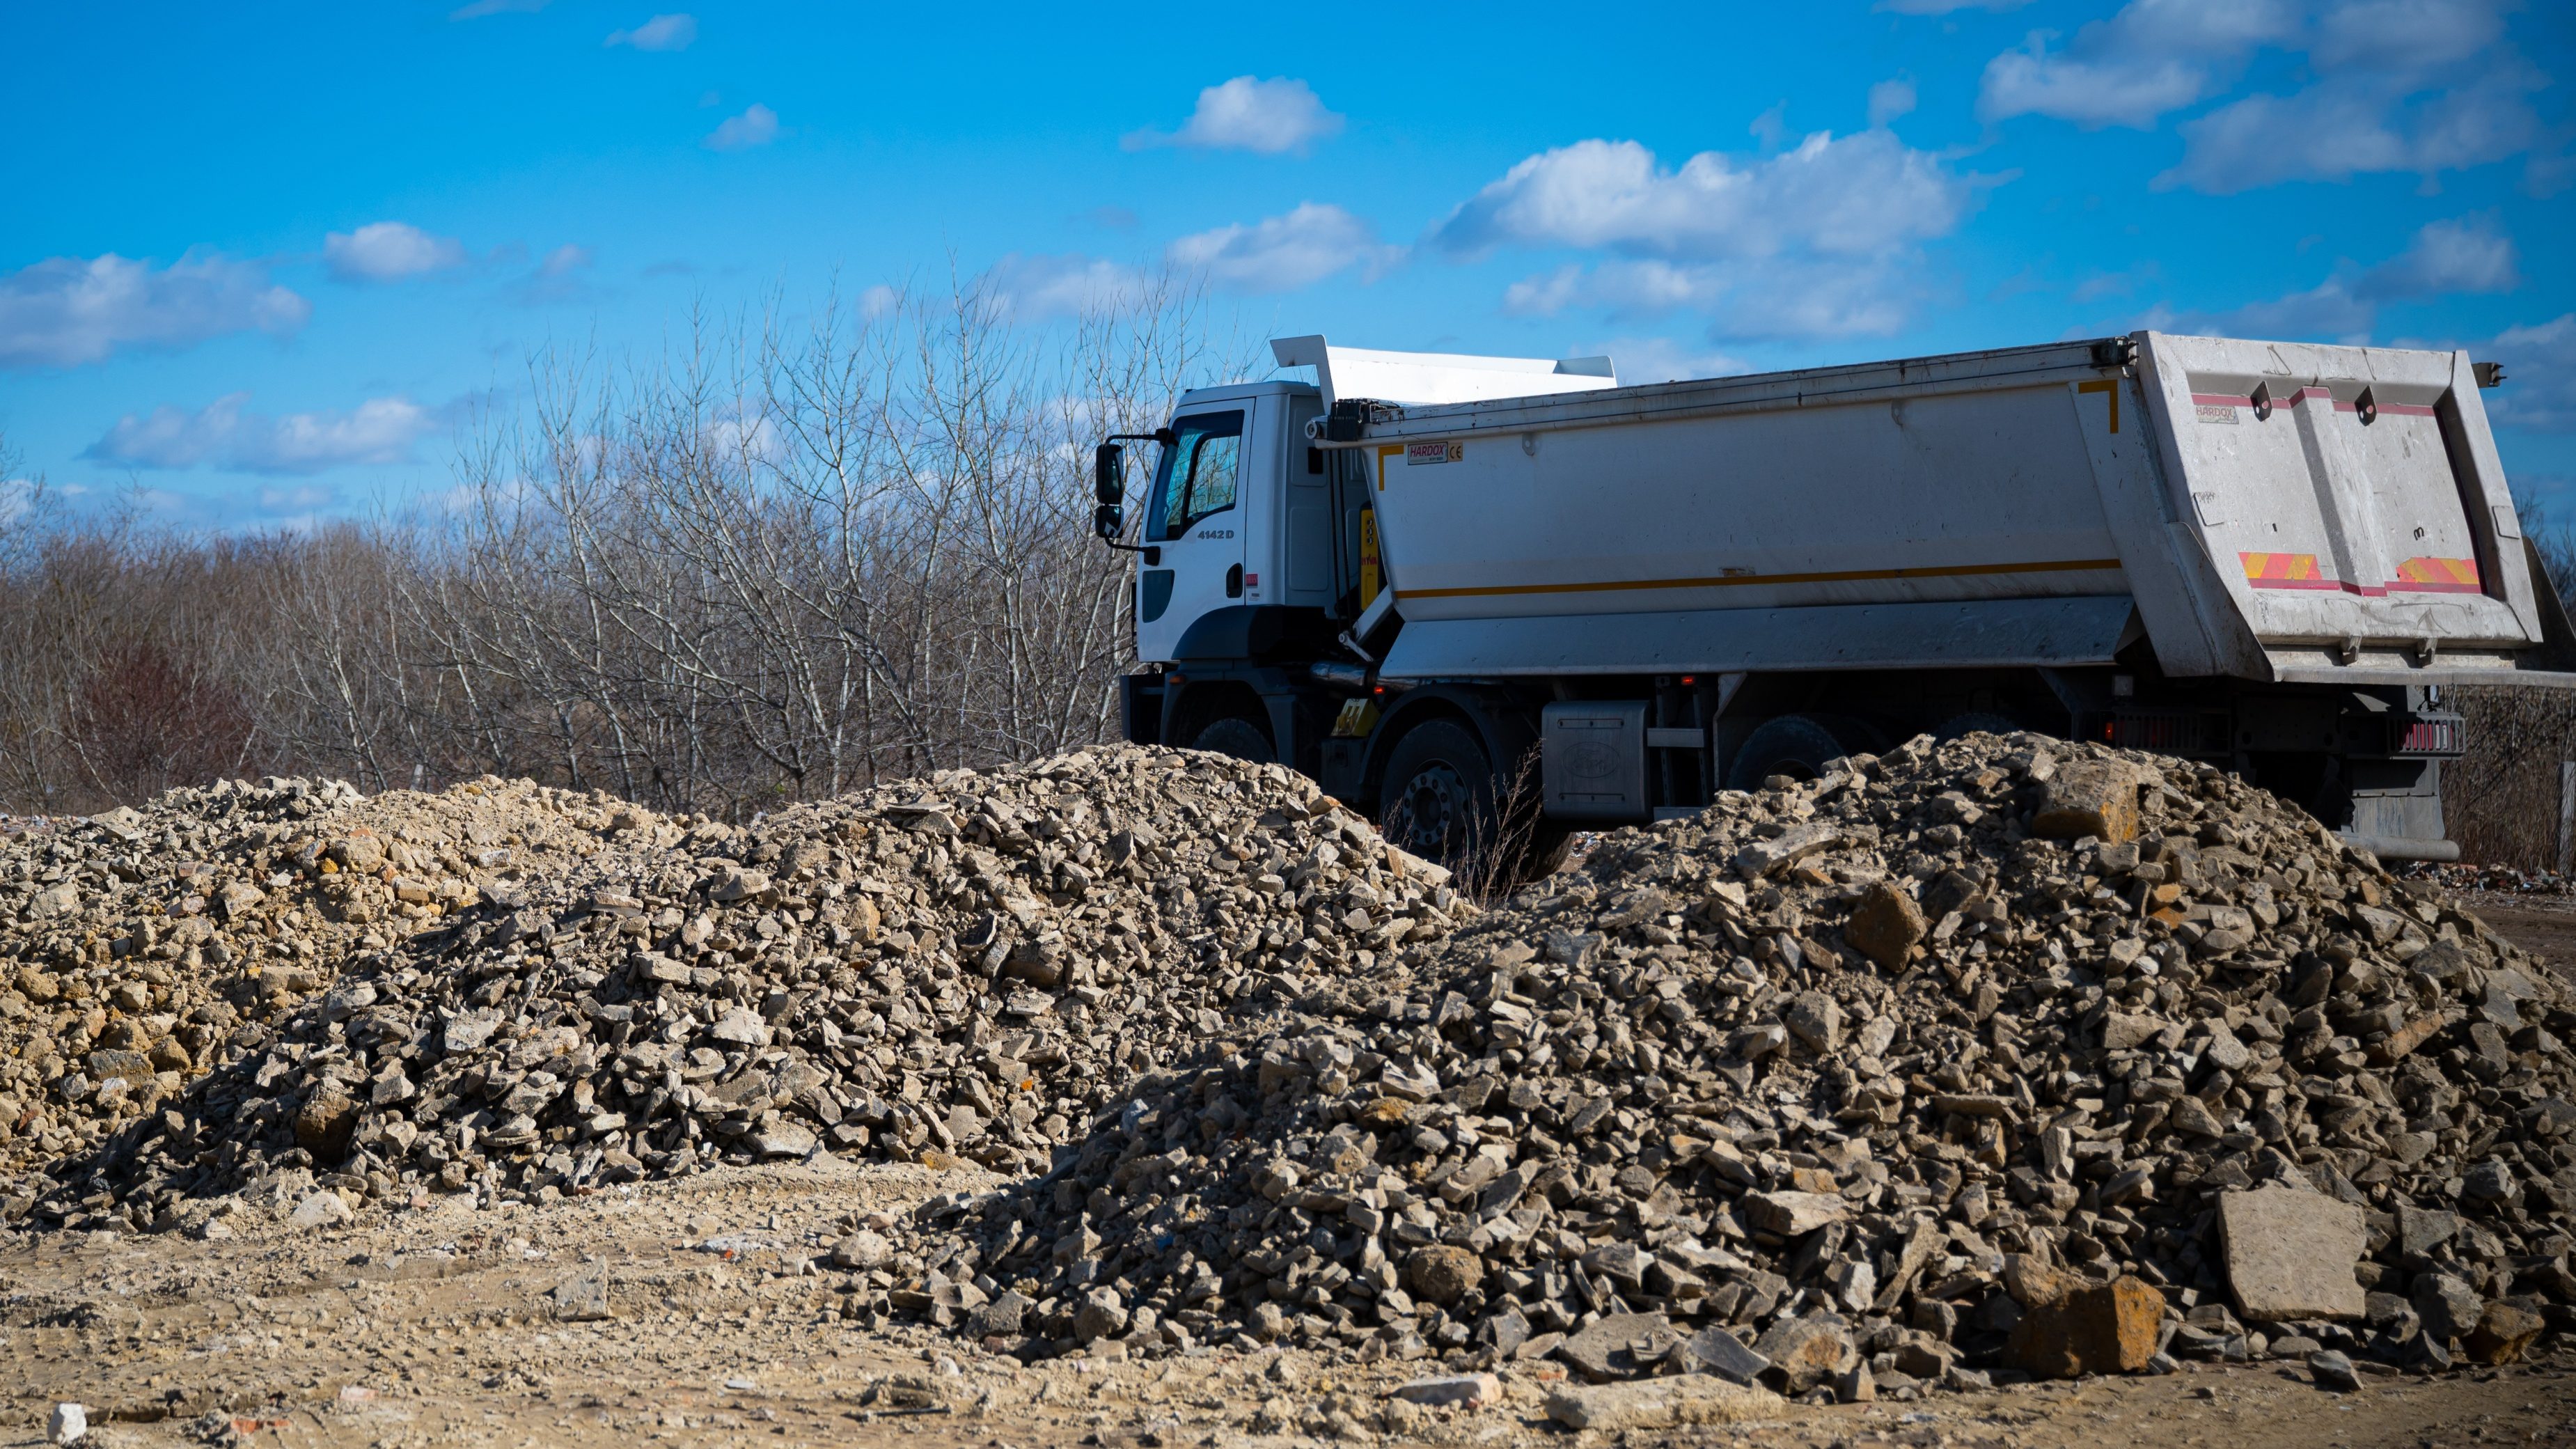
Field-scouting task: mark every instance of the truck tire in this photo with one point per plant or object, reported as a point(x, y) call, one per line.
point(1441, 801)
point(1238, 737)
point(1796, 745)
point(1438, 799)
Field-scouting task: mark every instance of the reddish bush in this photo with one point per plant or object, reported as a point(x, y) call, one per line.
point(143, 722)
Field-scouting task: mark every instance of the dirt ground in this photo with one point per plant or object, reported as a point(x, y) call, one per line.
point(440, 1325)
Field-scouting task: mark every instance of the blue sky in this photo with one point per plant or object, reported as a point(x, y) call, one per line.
point(266, 263)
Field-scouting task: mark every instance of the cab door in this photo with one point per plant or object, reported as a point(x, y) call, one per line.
point(1194, 527)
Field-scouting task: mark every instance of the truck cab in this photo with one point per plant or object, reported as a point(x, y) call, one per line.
point(1233, 517)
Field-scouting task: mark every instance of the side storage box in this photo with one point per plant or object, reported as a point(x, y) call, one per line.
point(1592, 760)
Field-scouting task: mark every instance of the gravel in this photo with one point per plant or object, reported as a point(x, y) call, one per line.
point(1832, 1088)
point(1862, 1072)
point(965, 968)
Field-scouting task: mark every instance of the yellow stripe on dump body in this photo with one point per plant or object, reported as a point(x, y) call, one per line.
point(1946, 571)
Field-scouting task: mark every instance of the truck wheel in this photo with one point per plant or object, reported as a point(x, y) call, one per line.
point(1438, 800)
point(1234, 735)
point(1796, 745)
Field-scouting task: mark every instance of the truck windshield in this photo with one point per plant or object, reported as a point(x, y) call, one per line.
point(1197, 476)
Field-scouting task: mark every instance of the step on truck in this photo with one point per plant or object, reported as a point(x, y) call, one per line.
point(1436, 582)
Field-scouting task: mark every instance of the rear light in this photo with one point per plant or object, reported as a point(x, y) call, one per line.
point(2438, 735)
point(2166, 731)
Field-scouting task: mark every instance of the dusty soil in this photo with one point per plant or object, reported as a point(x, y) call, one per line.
point(438, 1326)
point(2542, 924)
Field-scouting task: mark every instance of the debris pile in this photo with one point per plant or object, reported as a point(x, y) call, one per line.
point(142, 947)
point(2006, 1054)
point(969, 966)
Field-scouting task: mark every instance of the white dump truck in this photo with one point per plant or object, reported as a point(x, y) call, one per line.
point(1434, 582)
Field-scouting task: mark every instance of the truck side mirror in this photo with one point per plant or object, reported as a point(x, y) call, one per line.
point(1108, 520)
point(1109, 474)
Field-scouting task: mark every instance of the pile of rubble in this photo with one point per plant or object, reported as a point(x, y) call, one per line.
point(970, 966)
point(2012, 1053)
point(140, 949)
point(2008, 1053)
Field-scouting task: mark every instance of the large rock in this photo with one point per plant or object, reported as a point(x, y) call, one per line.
point(2450, 1308)
point(1805, 1352)
point(2089, 797)
point(1716, 1351)
point(1619, 1345)
point(2504, 1331)
point(1442, 1273)
point(1791, 1214)
point(2290, 1254)
point(323, 1123)
point(1659, 1404)
point(583, 1297)
point(1885, 926)
point(1101, 1315)
point(2097, 1329)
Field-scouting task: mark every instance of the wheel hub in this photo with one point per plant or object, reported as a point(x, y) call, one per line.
point(1431, 816)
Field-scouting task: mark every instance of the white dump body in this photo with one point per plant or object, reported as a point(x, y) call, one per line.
point(2267, 511)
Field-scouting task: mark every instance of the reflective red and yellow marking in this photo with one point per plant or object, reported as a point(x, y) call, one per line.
point(2414, 576)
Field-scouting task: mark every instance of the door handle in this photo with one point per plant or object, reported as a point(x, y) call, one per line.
point(1234, 582)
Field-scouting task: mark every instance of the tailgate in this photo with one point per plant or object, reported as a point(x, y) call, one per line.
point(2349, 497)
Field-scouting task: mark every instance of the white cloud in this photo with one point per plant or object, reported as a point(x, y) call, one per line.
point(560, 277)
point(2151, 57)
point(1248, 114)
point(1660, 359)
point(2404, 36)
point(386, 251)
point(2445, 258)
point(2328, 311)
point(378, 431)
point(480, 8)
point(1890, 99)
point(1821, 240)
point(2393, 85)
point(756, 126)
point(1283, 252)
point(66, 311)
point(2540, 376)
point(2467, 255)
point(662, 32)
point(1748, 299)
point(2353, 125)
point(1854, 196)
point(1060, 286)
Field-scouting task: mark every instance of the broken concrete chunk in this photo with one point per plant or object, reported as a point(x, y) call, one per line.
point(2098, 798)
point(2290, 1254)
point(1885, 926)
point(1462, 1391)
point(583, 1297)
point(1659, 1404)
point(1805, 1352)
point(1769, 857)
point(1620, 1345)
point(2096, 1329)
point(1793, 1214)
